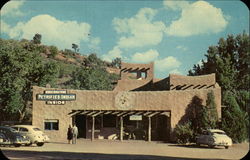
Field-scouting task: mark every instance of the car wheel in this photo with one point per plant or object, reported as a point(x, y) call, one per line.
point(40, 144)
point(211, 146)
point(226, 147)
point(17, 145)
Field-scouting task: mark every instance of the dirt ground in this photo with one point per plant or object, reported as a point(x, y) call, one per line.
point(126, 150)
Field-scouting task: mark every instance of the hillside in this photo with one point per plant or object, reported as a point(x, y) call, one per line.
point(24, 64)
point(67, 60)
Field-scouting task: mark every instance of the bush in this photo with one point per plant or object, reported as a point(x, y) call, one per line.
point(53, 51)
point(184, 133)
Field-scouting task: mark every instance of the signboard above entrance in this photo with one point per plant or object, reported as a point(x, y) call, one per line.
point(135, 117)
point(55, 97)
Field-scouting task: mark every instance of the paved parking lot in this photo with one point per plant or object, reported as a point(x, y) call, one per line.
point(126, 150)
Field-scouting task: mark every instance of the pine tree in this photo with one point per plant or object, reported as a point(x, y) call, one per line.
point(235, 122)
point(210, 112)
point(230, 61)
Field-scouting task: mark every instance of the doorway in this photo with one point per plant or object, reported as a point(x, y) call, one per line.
point(160, 128)
point(80, 121)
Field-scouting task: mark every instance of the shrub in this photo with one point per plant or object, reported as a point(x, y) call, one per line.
point(53, 51)
point(184, 133)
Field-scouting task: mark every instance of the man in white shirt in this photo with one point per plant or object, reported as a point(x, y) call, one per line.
point(75, 134)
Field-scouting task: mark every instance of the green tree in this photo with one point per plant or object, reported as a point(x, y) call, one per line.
point(20, 69)
point(93, 61)
point(210, 118)
point(230, 60)
point(53, 51)
point(75, 47)
point(92, 79)
point(235, 122)
point(37, 39)
point(116, 62)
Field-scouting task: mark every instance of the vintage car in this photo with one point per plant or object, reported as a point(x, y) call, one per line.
point(10, 136)
point(35, 135)
point(214, 137)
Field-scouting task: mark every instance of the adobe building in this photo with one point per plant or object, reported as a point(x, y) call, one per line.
point(140, 106)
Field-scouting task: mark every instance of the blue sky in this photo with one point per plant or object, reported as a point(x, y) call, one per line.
point(173, 34)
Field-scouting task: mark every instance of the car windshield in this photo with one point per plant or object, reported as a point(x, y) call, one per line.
point(36, 129)
point(221, 133)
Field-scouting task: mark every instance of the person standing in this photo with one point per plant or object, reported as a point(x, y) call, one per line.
point(75, 134)
point(70, 134)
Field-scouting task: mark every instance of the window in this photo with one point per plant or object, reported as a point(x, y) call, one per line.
point(143, 75)
point(23, 129)
point(15, 128)
point(109, 121)
point(51, 124)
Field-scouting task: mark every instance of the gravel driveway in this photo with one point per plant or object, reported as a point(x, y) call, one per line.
point(126, 150)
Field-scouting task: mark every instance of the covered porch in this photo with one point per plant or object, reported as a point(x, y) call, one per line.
point(122, 125)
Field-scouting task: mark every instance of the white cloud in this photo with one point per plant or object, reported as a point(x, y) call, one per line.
point(114, 53)
point(139, 30)
point(12, 8)
point(145, 57)
point(54, 32)
point(175, 5)
point(5, 28)
point(168, 63)
point(197, 18)
point(94, 43)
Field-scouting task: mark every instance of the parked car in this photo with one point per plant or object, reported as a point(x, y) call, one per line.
point(214, 137)
point(10, 136)
point(35, 135)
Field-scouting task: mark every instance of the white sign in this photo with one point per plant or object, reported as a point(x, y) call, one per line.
point(55, 92)
point(135, 117)
point(56, 97)
point(56, 102)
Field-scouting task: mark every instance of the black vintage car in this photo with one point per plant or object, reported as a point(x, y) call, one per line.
point(10, 136)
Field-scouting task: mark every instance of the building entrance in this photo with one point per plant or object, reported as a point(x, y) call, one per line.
point(160, 128)
point(80, 121)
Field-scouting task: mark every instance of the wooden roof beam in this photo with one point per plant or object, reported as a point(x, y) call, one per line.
point(153, 114)
point(197, 86)
point(98, 113)
point(122, 113)
point(91, 113)
point(75, 113)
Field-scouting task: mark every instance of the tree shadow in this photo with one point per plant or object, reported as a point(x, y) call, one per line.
point(192, 111)
point(193, 145)
point(13, 154)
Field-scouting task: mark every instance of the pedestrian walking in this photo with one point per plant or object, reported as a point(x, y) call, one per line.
point(70, 134)
point(75, 134)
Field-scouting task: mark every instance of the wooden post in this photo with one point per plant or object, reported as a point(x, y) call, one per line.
point(93, 128)
point(149, 129)
point(121, 128)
